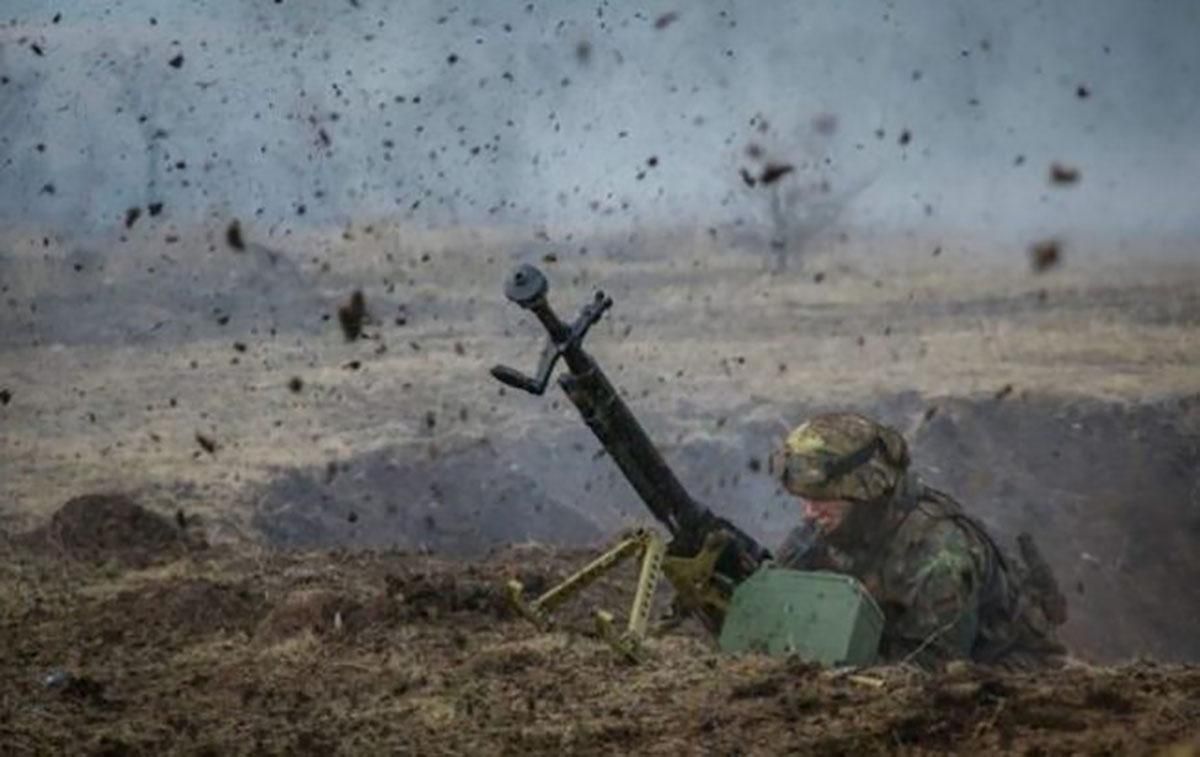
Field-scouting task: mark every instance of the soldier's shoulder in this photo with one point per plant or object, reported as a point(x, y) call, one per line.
point(932, 527)
point(928, 519)
point(930, 559)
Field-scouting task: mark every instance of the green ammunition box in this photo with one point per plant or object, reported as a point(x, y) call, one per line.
point(820, 617)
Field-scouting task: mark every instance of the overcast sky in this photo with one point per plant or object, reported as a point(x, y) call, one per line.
point(919, 114)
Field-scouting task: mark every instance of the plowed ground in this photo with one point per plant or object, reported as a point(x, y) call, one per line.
point(229, 651)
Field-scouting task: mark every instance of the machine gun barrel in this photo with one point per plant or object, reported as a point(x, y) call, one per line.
point(610, 419)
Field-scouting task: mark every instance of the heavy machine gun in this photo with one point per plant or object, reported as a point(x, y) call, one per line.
point(707, 556)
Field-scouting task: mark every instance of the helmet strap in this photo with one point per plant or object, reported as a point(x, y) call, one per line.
point(840, 466)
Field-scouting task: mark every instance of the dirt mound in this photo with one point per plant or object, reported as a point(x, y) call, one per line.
point(102, 527)
point(427, 662)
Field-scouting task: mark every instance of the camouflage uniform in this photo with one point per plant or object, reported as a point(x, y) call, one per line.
point(946, 588)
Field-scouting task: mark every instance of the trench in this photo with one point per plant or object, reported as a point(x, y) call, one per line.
point(1110, 491)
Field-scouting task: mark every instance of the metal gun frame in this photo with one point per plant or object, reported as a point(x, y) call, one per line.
point(707, 555)
point(641, 542)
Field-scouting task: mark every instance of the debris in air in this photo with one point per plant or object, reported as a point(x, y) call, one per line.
point(773, 172)
point(1045, 255)
point(1063, 174)
point(352, 314)
point(207, 443)
point(233, 235)
point(666, 19)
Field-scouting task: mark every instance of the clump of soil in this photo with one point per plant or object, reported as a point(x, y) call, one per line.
point(233, 236)
point(773, 172)
point(352, 316)
point(1063, 174)
point(104, 527)
point(1045, 255)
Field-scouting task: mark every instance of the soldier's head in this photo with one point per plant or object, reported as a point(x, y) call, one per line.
point(843, 467)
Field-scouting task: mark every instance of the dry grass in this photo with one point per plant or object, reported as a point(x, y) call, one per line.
point(710, 326)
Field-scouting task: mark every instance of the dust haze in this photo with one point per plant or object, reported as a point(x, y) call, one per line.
point(252, 257)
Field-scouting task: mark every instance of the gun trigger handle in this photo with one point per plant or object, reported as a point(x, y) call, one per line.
point(516, 379)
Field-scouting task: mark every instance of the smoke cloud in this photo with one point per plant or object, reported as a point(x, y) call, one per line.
point(591, 115)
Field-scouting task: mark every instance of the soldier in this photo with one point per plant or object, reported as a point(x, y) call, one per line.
point(946, 589)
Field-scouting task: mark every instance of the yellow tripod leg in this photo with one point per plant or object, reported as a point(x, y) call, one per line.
point(538, 611)
point(630, 644)
point(643, 542)
point(653, 552)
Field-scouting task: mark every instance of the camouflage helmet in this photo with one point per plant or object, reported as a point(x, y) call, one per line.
point(841, 456)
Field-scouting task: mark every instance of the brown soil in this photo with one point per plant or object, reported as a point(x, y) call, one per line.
point(227, 652)
point(100, 527)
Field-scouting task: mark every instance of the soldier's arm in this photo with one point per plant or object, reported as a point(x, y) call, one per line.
point(940, 588)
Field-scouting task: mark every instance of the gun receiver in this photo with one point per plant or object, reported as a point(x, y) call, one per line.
point(712, 555)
